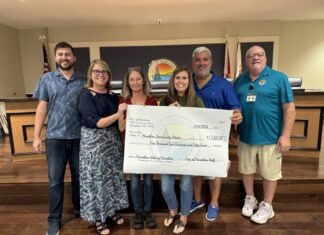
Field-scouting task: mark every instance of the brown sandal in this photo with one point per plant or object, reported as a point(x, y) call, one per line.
point(117, 219)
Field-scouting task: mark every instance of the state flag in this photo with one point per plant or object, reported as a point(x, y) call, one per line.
point(239, 69)
point(227, 63)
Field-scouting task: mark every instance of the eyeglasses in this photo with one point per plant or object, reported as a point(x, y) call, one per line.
point(258, 54)
point(100, 72)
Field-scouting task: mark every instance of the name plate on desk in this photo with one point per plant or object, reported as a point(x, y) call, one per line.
point(173, 140)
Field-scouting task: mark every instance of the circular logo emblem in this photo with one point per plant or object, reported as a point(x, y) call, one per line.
point(161, 70)
point(262, 82)
point(176, 141)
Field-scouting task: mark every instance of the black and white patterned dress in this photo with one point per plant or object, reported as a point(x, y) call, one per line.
point(103, 188)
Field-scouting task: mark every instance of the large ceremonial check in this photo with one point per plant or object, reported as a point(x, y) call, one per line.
point(177, 140)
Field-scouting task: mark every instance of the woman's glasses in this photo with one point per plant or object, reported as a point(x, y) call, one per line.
point(100, 72)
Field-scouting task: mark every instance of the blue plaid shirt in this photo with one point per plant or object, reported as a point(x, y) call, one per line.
point(62, 96)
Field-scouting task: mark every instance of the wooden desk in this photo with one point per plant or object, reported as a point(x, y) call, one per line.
point(21, 116)
point(306, 136)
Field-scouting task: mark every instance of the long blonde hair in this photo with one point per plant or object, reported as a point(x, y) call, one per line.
point(127, 91)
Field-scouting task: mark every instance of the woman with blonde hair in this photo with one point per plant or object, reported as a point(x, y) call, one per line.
point(103, 189)
point(136, 88)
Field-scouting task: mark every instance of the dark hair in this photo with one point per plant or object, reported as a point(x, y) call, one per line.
point(190, 95)
point(63, 45)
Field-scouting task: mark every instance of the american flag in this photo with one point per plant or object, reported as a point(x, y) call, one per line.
point(46, 67)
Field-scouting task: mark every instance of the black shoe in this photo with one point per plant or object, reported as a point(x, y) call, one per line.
point(138, 222)
point(53, 229)
point(150, 221)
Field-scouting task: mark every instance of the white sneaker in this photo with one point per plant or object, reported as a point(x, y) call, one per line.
point(264, 213)
point(250, 204)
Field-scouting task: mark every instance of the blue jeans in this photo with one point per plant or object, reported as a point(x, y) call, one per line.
point(135, 190)
point(170, 197)
point(58, 153)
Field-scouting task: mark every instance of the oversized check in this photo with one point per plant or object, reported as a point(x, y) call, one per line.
point(173, 140)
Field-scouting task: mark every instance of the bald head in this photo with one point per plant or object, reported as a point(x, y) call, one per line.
point(254, 48)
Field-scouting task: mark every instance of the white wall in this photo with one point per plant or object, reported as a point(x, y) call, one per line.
point(11, 76)
point(301, 46)
point(32, 57)
point(301, 51)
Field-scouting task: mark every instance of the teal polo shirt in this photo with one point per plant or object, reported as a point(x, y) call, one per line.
point(263, 118)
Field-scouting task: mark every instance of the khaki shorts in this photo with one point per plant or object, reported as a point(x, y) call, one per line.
point(270, 160)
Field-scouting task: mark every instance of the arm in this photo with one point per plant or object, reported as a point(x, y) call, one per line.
point(106, 121)
point(232, 102)
point(289, 115)
point(41, 112)
point(122, 123)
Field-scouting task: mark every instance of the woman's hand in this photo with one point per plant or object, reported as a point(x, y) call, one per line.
point(175, 104)
point(121, 109)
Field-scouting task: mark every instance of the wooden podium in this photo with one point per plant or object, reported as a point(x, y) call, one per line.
point(306, 137)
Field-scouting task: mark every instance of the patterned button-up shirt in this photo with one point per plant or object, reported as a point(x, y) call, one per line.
point(62, 96)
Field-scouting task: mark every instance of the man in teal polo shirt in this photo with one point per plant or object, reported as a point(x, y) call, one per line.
point(269, 114)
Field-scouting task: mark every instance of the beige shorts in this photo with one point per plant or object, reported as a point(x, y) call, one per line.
point(270, 160)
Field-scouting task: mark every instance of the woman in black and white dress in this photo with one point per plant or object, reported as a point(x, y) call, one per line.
point(103, 188)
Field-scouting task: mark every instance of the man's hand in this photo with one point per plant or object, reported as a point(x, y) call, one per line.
point(283, 144)
point(38, 145)
point(237, 117)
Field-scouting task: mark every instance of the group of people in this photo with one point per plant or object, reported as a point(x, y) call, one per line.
point(86, 124)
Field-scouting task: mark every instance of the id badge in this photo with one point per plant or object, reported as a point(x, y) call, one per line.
point(250, 98)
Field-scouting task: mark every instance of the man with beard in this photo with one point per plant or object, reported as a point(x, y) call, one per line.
point(269, 114)
point(58, 93)
point(217, 93)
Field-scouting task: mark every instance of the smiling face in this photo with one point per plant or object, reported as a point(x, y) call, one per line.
point(99, 76)
point(64, 58)
point(201, 64)
point(136, 81)
point(255, 60)
point(181, 82)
